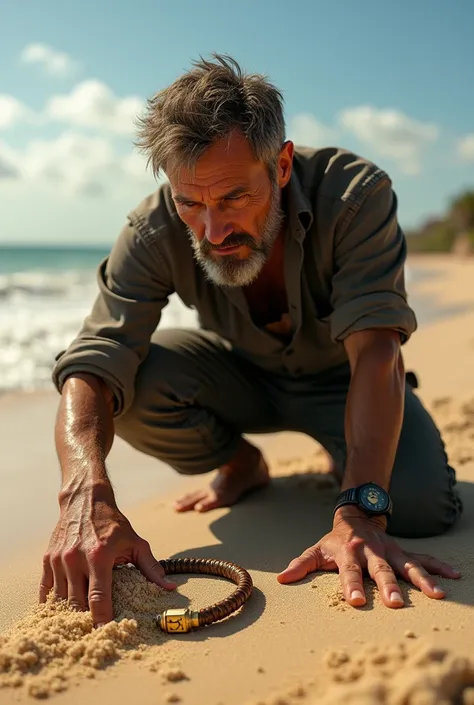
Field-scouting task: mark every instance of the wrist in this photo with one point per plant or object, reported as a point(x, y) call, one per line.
point(96, 490)
point(349, 513)
point(356, 475)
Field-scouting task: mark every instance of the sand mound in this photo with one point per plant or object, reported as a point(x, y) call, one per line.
point(394, 675)
point(54, 645)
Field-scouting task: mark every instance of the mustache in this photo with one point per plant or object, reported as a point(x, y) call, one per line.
point(232, 240)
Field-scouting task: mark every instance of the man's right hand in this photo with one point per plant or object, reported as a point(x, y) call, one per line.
point(91, 537)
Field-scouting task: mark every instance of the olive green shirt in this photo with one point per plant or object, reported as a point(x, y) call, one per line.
point(344, 272)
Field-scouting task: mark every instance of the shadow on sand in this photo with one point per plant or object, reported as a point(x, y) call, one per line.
point(271, 527)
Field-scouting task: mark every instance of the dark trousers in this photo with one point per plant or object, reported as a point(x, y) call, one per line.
point(195, 398)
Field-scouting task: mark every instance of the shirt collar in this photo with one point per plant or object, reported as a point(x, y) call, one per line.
point(300, 213)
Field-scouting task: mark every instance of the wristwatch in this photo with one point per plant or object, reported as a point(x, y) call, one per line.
point(369, 498)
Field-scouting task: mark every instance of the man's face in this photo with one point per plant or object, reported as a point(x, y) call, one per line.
point(231, 209)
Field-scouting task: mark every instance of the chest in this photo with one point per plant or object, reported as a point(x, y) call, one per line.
point(267, 302)
point(266, 297)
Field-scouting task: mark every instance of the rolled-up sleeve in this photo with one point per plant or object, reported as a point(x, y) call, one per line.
point(368, 285)
point(134, 286)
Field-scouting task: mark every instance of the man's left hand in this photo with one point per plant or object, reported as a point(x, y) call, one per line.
point(357, 544)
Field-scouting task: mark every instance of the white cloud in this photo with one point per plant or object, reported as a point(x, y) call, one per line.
point(305, 130)
point(465, 148)
point(92, 104)
point(74, 160)
point(8, 169)
point(78, 164)
point(56, 63)
point(391, 134)
point(12, 111)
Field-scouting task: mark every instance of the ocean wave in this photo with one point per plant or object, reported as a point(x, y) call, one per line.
point(25, 284)
point(40, 315)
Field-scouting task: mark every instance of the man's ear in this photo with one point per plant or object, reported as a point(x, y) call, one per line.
point(285, 163)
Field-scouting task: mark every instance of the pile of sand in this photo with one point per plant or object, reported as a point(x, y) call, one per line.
point(54, 646)
point(403, 674)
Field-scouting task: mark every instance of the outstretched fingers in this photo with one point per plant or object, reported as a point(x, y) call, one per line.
point(309, 561)
point(412, 569)
point(436, 567)
point(152, 568)
point(47, 580)
point(351, 577)
point(100, 587)
point(381, 571)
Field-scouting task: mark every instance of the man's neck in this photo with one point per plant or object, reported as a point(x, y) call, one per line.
point(266, 296)
point(272, 272)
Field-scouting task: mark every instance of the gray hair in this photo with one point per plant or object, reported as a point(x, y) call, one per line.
point(206, 104)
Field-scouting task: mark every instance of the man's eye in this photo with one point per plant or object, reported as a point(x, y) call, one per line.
point(235, 198)
point(189, 204)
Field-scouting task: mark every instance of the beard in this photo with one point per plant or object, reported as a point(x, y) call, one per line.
point(231, 270)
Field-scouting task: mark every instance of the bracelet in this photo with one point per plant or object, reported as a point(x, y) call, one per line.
point(184, 620)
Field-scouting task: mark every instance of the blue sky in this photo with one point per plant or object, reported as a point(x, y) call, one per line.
point(392, 81)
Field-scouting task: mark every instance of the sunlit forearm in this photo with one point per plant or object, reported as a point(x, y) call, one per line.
point(374, 414)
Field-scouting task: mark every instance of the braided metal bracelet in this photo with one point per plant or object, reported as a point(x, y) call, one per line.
point(184, 620)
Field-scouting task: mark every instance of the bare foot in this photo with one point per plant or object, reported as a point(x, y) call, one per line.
point(246, 472)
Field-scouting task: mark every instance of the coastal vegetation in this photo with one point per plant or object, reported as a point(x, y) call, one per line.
point(452, 232)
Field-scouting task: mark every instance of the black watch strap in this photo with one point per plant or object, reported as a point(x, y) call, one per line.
point(354, 496)
point(347, 497)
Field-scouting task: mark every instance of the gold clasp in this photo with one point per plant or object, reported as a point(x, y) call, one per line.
point(178, 620)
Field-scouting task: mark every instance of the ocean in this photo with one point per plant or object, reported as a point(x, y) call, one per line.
point(45, 294)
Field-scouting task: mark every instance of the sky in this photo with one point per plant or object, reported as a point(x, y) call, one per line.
point(393, 82)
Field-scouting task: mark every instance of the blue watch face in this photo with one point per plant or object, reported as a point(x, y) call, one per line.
point(373, 498)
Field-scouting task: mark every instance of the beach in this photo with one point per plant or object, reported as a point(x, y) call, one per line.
point(289, 643)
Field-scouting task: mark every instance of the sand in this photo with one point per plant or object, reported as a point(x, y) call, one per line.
point(289, 644)
point(54, 646)
point(392, 674)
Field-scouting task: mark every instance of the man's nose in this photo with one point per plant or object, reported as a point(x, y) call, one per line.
point(216, 226)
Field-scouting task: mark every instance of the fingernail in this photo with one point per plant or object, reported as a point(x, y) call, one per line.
point(396, 597)
point(438, 590)
point(102, 624)
point(357, 595)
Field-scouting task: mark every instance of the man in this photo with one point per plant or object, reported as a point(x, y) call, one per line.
point(294, 261)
